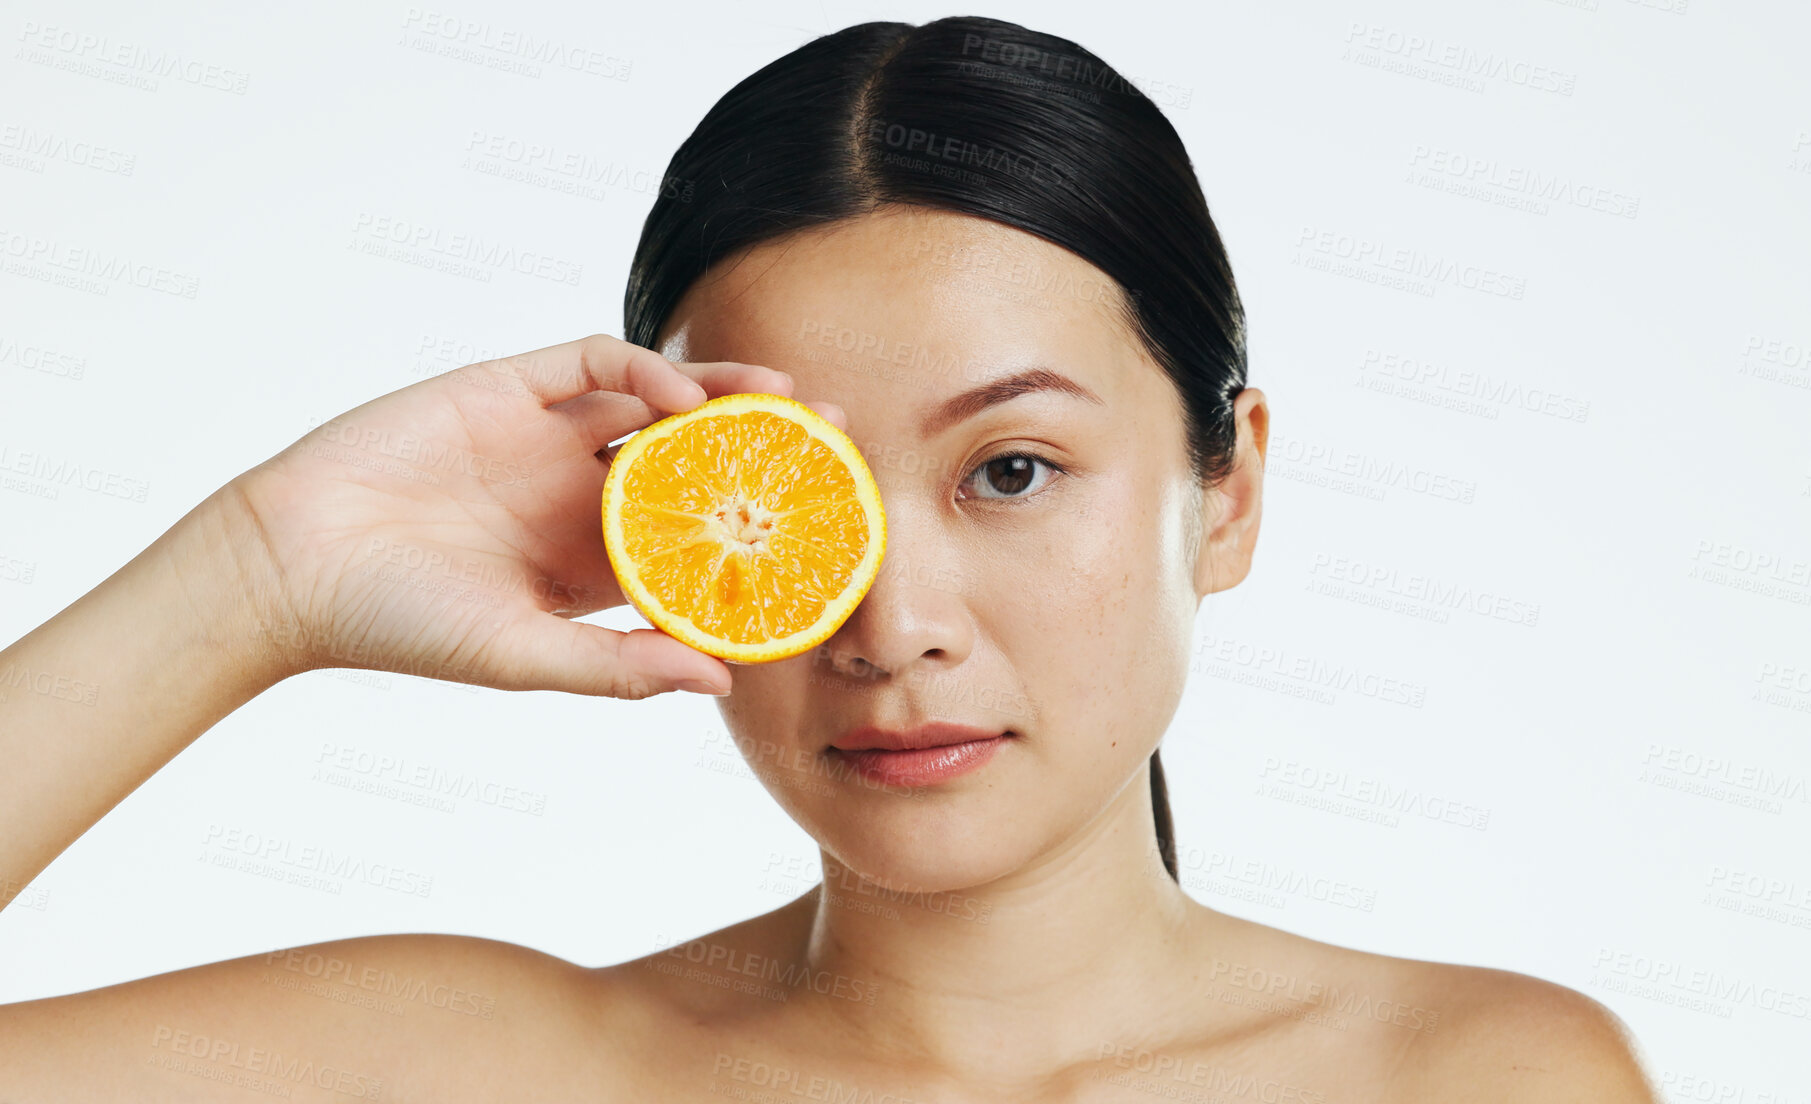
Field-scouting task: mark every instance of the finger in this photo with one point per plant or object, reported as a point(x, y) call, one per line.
point(732, 378)
point(602, 416)
point(833, 413)
point(590, 364)
point(549, 652)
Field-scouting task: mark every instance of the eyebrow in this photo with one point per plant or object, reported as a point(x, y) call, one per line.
point(976, 399)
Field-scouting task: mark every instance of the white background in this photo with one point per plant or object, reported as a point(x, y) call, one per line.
point(1623, 681)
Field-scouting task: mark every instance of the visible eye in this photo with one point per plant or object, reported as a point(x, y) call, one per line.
point(1011, 473)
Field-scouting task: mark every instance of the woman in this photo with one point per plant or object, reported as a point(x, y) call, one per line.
point(986, 256)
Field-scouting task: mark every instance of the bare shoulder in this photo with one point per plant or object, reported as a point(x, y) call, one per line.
point(416, 1015)
point(1508, 1037)
point(1417, 1029)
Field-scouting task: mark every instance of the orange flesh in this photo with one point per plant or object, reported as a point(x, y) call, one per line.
point(744, 523)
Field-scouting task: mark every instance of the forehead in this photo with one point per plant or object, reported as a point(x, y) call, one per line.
point(912, 304)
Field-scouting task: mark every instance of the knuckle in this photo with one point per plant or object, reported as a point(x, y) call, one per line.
point(633, 689)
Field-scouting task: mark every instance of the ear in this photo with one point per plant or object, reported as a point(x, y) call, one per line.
point(1230, 510)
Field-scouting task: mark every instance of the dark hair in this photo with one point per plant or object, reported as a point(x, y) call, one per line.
point(984, 118)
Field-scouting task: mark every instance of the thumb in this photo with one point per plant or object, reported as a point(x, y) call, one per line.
point(553, 653)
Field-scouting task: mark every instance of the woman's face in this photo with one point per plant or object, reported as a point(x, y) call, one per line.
point(1053, 600)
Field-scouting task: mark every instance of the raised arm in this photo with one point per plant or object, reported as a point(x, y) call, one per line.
point(448, 529)
point(97, 699)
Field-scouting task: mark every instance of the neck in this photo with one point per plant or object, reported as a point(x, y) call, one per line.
point(1087, 948)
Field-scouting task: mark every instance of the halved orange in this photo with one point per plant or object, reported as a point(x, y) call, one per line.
point(748, 527)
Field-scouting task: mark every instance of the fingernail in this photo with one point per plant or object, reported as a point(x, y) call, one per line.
point(701, 686)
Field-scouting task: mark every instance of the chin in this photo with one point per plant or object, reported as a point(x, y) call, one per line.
point(922, 858)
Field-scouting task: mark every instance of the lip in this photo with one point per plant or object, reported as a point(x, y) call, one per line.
point(922, 756)
point(932, 734)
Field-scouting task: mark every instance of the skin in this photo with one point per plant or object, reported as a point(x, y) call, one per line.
point(1068, 602)
point(1069, 597)
point(1007, 935)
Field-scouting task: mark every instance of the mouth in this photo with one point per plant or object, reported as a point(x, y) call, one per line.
point(923, 756)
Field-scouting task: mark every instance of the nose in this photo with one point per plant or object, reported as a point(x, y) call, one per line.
point(916, 613)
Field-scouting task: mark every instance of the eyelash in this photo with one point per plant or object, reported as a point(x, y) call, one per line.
point(1057, 469)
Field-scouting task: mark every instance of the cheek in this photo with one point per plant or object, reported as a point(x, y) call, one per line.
point(1099, 640)
point(763, 707)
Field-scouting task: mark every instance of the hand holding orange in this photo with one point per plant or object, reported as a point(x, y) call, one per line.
point(448, 528)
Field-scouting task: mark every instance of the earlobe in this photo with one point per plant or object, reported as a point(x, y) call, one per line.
point(1231, 509)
